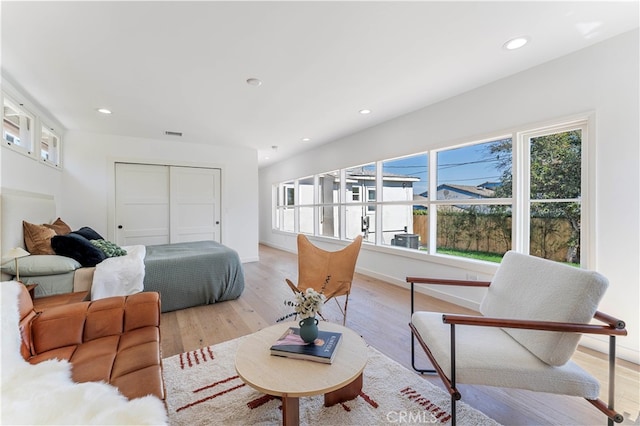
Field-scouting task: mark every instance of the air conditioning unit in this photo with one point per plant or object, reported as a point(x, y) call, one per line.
point(406, 240)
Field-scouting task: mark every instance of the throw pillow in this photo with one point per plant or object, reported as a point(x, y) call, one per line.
point(59, 226)
point(77, 247)
point(37, 238)
point(109, 248)
point(88, 233)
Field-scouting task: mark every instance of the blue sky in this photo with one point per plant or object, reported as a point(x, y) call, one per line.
point(462, 166)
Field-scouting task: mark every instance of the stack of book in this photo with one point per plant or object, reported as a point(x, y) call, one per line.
point(323, 349)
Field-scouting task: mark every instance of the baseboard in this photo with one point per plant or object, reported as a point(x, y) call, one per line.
point(622, 352)
point(456, 300)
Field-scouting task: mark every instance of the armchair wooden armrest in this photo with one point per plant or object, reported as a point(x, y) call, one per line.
point(534, 325)
point(466, 283)
point(428, 280)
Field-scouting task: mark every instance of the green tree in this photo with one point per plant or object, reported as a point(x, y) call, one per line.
point(555, 173)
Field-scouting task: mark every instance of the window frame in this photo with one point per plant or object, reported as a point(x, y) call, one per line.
point(39, 122)
point(19, 108)
point(58, 152)
point(518, 202)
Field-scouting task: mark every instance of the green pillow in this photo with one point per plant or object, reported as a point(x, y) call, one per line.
point(109, 248)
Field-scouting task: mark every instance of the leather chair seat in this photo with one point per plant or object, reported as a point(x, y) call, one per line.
point(114, 340)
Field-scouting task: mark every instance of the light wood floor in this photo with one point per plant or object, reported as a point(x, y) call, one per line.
point(380, 312)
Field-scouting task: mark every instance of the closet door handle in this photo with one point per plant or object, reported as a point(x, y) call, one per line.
point(119, 226)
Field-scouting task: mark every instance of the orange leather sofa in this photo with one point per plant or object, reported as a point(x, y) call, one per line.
point(115, 340)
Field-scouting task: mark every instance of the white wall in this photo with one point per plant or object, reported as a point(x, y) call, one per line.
point(602, 79)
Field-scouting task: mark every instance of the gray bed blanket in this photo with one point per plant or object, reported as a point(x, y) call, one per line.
point(193, 274)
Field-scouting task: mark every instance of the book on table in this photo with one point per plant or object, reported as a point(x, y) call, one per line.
point(323, 349)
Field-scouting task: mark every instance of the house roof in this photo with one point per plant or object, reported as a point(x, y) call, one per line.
point(475, 191)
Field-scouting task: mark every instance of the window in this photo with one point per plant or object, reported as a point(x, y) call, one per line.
point(360, 215)
point(555, 192)
point(27, 134)
point(473, 200)
point(355, 193)
point(17, 126)
point(404, 185)
point(306, 200)
point(49, 146)
point(328, 198)
point(522, 191)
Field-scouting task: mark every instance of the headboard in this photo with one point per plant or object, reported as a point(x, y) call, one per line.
point(16, 206)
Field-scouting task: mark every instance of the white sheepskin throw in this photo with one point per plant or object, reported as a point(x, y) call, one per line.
point(45, 394)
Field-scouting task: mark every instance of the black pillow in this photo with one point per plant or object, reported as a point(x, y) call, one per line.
point(77, 247)
point(88, 233)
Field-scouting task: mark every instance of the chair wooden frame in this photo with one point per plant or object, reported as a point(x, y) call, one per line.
point(612, 327)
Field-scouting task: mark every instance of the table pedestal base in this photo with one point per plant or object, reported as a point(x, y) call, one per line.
point(291, 405)
point(347, 393)
point(290, 411)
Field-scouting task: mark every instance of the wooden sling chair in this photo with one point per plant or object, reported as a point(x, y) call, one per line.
point(327, 272)
point(533, 315)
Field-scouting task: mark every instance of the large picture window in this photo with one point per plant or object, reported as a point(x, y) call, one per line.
point(521, 191)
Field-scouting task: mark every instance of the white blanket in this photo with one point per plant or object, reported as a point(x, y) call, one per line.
point(119, 276)
point(45, 394)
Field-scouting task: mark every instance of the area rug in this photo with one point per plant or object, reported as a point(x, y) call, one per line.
point(204, 389)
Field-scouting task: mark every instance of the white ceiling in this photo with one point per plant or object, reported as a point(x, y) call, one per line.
point(183, 66)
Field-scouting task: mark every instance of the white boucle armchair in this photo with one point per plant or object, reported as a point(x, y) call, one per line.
point(533, 315)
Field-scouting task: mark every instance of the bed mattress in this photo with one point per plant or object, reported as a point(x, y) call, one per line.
point(193, 274)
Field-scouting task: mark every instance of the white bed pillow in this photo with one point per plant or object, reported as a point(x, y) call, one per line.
point(41, 264)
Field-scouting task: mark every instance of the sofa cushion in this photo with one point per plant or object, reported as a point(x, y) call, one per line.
point(531, 288)
point(114, 340)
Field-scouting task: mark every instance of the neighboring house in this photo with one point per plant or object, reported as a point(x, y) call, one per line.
point(361, 217)
point(448, 191)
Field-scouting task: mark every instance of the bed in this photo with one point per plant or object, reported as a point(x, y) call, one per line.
point(185, 274)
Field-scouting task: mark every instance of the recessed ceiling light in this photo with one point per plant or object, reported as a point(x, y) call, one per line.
point(306, 139)
point(516, 43)
point(365, 111)
point(104, 110)
point(254, 82)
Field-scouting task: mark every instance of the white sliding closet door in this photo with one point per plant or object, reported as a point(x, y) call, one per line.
point(158, 204)
point(195, 204)
point(142, 204)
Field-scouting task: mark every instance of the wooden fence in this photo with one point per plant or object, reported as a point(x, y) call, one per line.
point(550, 237)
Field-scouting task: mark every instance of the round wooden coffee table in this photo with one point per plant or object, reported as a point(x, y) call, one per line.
point(291, 379)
